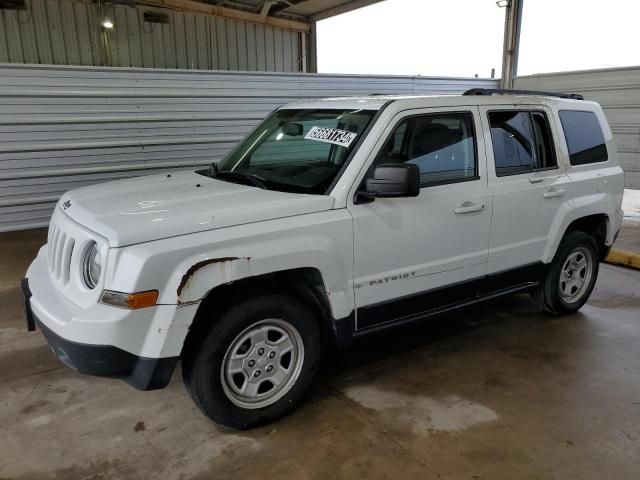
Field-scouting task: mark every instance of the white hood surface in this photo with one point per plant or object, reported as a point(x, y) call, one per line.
point(149, 208)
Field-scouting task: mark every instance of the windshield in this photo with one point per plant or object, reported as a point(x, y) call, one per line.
point(296, 150)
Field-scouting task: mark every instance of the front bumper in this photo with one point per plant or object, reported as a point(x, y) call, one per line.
point(140, 346)
point(103, 360)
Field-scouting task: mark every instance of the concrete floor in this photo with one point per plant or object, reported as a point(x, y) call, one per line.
point(494, 392)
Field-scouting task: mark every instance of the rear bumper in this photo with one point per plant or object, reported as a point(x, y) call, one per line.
point(103, 360)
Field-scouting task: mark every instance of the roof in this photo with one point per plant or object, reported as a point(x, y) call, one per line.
point(375, 102)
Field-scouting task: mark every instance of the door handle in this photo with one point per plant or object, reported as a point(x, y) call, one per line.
point(468, 207)
point(554, 193)
point(536, 179)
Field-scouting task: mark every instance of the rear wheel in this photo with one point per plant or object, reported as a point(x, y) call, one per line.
point(255, 362)
point(571, 276)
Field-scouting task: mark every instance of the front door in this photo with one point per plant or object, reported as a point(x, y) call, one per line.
point(408, 249)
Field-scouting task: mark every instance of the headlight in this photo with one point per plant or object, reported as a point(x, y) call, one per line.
point(91, 266)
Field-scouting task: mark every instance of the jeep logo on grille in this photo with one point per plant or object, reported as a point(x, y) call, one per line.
point(66, 204)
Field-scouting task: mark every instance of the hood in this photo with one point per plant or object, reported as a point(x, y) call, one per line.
point(159, 206)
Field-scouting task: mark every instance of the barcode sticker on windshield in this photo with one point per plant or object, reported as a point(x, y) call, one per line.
point(331, 135)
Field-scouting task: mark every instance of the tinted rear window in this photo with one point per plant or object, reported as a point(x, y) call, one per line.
point(584, 137)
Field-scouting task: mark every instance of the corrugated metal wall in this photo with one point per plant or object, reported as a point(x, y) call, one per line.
point(67, 32)
point(63, 127)
point(618, 91)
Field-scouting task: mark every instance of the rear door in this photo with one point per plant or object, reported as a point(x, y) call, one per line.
point(526, 180)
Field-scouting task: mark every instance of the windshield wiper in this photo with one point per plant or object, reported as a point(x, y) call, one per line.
point(255, 180)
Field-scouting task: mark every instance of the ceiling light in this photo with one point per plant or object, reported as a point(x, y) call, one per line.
point(107, 24)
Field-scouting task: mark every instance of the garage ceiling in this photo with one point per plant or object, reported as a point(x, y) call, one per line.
point(309, 9)
point(297, 15)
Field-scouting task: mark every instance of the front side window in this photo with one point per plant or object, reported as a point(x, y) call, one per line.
point(442, 145)
point(296, 150)
point(584, 137)
point(522, 142)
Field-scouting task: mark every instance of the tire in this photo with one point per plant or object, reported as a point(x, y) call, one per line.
point(567, 285)
point(255, 362)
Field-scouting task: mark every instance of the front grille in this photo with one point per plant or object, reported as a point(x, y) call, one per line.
point(60, 249)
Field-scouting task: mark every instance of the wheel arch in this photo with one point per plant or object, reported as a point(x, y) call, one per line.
point(598, 225)
point(306, 284)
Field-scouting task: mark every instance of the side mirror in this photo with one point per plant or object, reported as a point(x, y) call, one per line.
point(390, 180)
point(292, 129)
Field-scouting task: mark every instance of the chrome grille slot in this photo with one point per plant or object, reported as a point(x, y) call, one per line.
point(60, 250)
point(66, 261)
point(52, 235)
point(62, 238)
point(54, 249)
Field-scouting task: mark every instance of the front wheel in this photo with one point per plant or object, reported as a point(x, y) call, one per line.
point(571, 276)
point(255, 362)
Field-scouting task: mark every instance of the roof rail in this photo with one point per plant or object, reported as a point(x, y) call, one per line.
point(498, 91)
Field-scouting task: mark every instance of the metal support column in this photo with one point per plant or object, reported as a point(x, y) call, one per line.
point(512, 23)
point(313, 49)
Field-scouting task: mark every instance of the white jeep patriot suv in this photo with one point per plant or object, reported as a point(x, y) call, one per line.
point(332, 219)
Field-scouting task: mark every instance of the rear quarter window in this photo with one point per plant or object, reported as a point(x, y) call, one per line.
point(584, 136)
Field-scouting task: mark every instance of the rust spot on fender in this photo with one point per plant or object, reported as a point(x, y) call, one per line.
point(197, 266)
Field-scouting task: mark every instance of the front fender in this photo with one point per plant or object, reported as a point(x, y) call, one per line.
point(184, 269)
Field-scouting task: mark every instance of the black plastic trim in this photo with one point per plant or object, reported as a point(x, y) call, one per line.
point(142, 373)
point(343, 329)
point(28, 313)
point(424, 304)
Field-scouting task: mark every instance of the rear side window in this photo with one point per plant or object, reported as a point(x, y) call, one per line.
point(522, 142)
point(584, 137)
